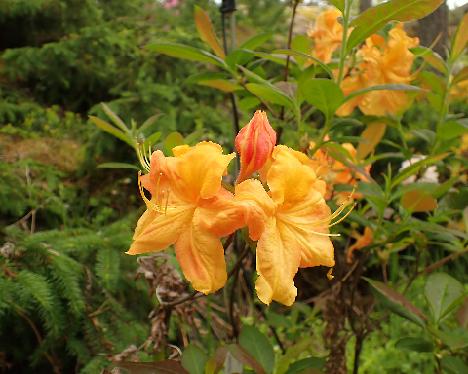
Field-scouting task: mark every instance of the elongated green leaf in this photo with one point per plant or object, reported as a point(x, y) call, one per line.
point(324, 94)
point(460, 39)
point(382, 87)
point(397, 303)
point(310, 365)
point(442, 292)
point(206, 31)
point(117, 165)
point(416, 344)
point(223, 85)
point(160, 367)
point(245, 358)
point(413, 169)
point(150, 140)
point(184, 51)
point(115, 118)
point(373, 19)
point(257, 345)
point(291, 52)
point(173, 140)
point(256, 41)
point(194, 360)
point(340, 4)
point(107, 127)
point(270, 94)
point(150, 121)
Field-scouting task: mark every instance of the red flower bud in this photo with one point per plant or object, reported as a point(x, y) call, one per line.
point(254, 143)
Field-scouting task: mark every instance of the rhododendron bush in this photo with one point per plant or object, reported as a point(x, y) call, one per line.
point(321, 228)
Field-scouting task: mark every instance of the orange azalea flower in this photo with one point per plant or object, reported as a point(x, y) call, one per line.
point(292, 229)
point(383, 62)
point(327, 34)
point(254, 143)
point(361, 241)
point(186, 197)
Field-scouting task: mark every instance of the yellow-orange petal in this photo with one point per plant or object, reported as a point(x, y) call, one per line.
point(201, 256)
point(200, 170)
point(289, 180)
point(304, 226)
point(277, 263)
point(257, 206)
point(156, 231)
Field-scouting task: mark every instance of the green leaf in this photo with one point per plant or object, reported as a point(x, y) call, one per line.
point(375, 18)
point(206, 31)
point(160, 367)
point(397, 303)
point(460, 38)
point(308, 365)
point(270, 94)
point(452, 129)
point(382, 87)
point(115, 118)
point(173, 140)
point(442, 293)
point(302, 44)
point(413, 169)
point(340, 4)
point(223, 85)
point(257, 345)
point(291, 52)
point(416, 344)
point(107, 127)
point(324, 94)
point(152, 139)
point(194, 359)
point(117, 165)
point(256, 41)
point(150, 121)
point(186, 52)
point(454, 365)
point(241, 355)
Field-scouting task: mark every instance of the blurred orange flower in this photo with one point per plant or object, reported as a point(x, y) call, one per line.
point(186, 197)
point(335, 172)
point(254, 143)
point(326, 34)
point(361, 241)
point(382, 62)
point(292, 230)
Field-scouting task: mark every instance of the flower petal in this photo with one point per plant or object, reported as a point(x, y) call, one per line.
point(305, 227)
point(289, 179)
point(156, 231)
point(277, 263)
point(201, 256)
point(200, 169)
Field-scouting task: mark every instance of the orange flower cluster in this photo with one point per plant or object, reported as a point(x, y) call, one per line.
point(326, 34)
point(382, 62)
point(285, 211)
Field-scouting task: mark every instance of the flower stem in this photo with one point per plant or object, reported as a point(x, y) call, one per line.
point(344, 40)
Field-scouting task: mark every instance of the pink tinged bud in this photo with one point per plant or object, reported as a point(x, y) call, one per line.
point(255, 143)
